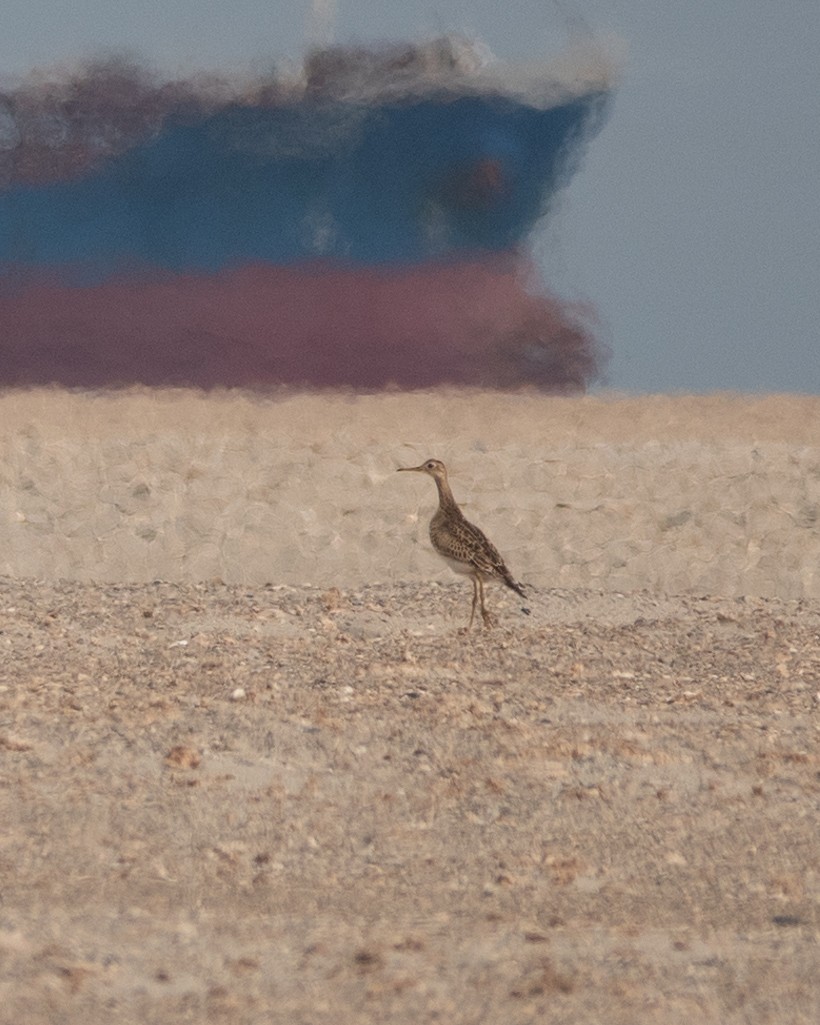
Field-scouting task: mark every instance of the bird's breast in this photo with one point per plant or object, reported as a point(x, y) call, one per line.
point(462, 568)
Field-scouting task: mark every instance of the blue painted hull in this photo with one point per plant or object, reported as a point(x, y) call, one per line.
point(393, 207)
point(390, 184)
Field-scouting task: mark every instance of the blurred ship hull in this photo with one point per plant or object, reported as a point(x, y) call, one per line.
point(363, 226)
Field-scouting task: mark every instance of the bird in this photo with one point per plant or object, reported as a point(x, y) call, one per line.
point(461, 544)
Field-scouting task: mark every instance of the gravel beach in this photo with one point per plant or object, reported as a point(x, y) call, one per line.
point(254, 770)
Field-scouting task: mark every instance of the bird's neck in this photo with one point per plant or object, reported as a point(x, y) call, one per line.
point(446, 502)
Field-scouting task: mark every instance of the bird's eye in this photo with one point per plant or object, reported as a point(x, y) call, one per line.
point(431, 465)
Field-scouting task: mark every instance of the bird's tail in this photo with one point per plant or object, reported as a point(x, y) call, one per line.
point(514, 585)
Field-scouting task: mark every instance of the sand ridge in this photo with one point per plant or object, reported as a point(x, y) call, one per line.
point(697, 494)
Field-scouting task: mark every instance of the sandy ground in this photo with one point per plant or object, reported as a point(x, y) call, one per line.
point(715, 495)
point(308, 796)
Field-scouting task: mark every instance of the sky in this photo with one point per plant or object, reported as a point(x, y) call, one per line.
point(693, 225)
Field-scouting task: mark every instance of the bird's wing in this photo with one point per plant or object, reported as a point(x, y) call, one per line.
point(477, 548)
point(465, 542)
point(487, 559)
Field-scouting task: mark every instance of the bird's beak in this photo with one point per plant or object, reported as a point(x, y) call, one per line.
point(411, 469)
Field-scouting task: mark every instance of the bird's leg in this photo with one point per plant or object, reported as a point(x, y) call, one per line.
point(475, 600)
point(485, 615)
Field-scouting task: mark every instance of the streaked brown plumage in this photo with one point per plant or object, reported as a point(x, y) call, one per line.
point(461, 543)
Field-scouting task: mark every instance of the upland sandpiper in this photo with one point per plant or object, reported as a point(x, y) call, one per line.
point(461, 544)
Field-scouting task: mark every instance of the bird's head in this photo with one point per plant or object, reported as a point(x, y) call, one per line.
point(433, 467)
